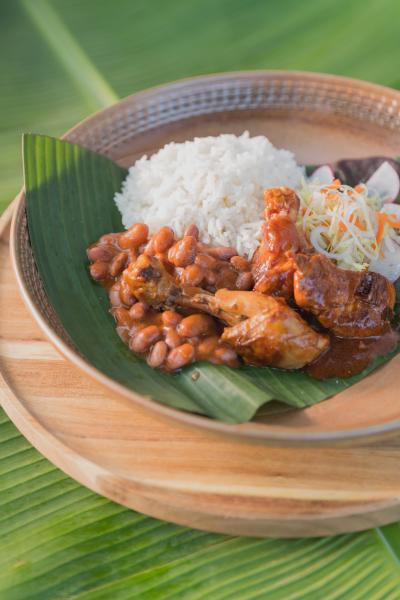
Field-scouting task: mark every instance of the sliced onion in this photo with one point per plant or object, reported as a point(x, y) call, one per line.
point(315, 239)
point(324, 175)
point(385, 183)
point(386, 267)
point(391, 208)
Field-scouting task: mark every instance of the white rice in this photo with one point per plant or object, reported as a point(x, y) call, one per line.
point(215, 182)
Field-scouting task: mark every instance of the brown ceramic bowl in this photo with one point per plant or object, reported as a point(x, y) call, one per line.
point(320, 118)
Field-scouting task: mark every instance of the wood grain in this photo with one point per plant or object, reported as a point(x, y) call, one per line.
point(174, 472)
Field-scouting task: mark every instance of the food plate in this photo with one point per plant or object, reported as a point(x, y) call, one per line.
point(169, 471)
point(320, 118)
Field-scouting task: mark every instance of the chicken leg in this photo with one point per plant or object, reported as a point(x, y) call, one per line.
point(263, 330)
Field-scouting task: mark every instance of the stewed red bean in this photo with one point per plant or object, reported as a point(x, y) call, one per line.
point(168, 340)
point(109, 238)
point(118, 264)
point(137, 311)
point(101, 252)
point(172, 338)
point(126, 295)
point(157, 354)
point(244, 281)
point(113, 294)
point(170, 318)
point(149, 249)
point(144, 338)
point(122, 316)
point(134, 237)
point(192, 275)
point(180, 356)
point(240, 263)
point(210, 278)
point(183, 252)
point(222, 252)
point(205, 261)
point(99, 270)
point(207, 345)
point(192, 230)
point(226, 355)
point(195, 325)
point(226, 278)
point(163, 239)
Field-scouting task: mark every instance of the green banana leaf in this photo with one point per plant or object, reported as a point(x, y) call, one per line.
point(69, 197)
point(60, 541)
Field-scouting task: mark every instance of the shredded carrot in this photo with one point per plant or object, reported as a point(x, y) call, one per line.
point(342, 226)
point(395, 224)
point(336, 183)
point(359, 188)
point(384, 219)
point(331, 196)
point(358, 223)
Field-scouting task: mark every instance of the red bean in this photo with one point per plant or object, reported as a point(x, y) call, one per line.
point(122, 316)
point(110, 238)
point(240, 263)
point(137, 311)
point(172, 338)
point(170, 318)
point(226, 356)
point(226, 278)
point(126, 295)
point(180, 356)
point(135, 236)
point(101, 252)
point(195, 325)
point(163, 240)
point(113, 294)
point(192, 275)
point(205, 261)
point(210, 278)
point(222, 252)
point(157, 355)
point(144, 338)
point(99, 270)
point(118, 264)
point(207, 345)
point(192, 230)
point(244, 281)
point(149, 250)
point(183, 252)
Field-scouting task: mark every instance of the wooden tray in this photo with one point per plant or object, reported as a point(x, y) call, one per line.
point(320, 118)
point(171, 471)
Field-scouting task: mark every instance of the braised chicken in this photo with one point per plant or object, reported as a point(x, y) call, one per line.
point(262, 329)
point(273, 334)
point(272, 264)
point(349, 303)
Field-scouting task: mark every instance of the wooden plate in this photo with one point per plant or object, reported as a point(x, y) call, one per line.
point(173, 472)
point(320, 118)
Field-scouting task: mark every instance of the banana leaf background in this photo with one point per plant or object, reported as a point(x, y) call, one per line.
point(60, 61)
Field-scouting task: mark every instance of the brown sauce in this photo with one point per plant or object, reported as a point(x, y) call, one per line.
point(169, 339)
point(349, 356)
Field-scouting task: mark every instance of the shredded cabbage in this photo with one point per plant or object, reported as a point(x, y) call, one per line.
point(351, 226)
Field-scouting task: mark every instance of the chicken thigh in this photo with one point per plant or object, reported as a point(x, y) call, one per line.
point(263, 330)
point(349, 303)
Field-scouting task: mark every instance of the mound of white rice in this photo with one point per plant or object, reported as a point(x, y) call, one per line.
point(215, 182)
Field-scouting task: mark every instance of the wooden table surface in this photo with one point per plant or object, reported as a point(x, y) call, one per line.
point(60, 61)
